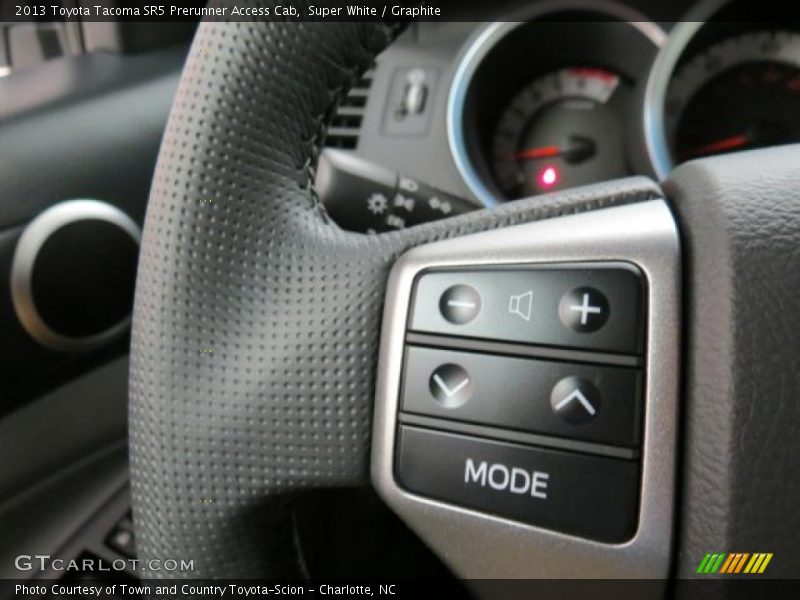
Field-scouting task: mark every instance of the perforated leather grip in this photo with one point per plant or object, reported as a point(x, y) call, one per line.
point(256, 321)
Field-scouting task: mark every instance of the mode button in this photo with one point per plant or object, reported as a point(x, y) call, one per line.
point(588, 496)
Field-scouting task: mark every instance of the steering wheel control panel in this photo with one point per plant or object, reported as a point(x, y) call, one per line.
point(526, 400)
point(522, 394)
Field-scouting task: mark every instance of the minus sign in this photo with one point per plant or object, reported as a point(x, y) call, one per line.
point(459, 304)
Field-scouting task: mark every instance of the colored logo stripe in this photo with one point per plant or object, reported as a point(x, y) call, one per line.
point(734, 563)
point(732, 558)
point(758, 563)
point(703, 564)
point(711, 563)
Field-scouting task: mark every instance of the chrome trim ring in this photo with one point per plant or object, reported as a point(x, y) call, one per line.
point(487, 38)
point(655, 95)
point(31, 241)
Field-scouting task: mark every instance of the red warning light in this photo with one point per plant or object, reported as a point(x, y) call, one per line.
point(548, 177)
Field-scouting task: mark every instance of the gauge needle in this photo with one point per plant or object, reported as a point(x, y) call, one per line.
point(541, 152)
point(733, 142)
point(580, 148)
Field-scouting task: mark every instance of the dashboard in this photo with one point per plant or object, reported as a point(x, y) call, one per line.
point(568, 93)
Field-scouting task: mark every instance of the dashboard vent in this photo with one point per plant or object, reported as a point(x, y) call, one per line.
point(345, 126)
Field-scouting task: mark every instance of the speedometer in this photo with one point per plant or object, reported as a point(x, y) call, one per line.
point(561, 130)
point(738, 94)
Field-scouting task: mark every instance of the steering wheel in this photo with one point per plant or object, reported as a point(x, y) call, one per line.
point(268, 344)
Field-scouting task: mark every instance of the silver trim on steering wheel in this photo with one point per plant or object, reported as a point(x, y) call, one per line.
point(477, 545)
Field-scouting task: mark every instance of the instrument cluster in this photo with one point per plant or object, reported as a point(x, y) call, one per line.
point(568, 97)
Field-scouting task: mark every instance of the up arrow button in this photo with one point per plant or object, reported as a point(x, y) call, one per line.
point(575, 400)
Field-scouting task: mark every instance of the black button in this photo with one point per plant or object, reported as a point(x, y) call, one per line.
point(422, 203)
point(523, 394)
point(576, 400)
point(451, 385)
point(583, 309)
point(584, 495)
point(460, 304)
point(357, 193)
point(593, 308)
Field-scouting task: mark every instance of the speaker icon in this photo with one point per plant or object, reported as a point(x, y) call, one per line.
point(521, 305)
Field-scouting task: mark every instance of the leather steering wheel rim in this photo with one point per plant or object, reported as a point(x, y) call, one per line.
point(257, 320)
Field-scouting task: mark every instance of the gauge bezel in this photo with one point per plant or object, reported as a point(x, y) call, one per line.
point(731, 53)
point(484, 41)
point(655, 95)
point(701, 28)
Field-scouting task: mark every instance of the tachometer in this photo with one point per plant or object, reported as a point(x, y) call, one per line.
point(741, 93)
point(563, 129)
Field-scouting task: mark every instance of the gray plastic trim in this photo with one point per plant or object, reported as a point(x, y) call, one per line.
point(522, 437)
point(487, 38)
point(476, 545)
point(31, 241)
point(516, 349)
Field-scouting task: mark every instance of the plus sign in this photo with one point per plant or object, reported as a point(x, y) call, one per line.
point(586, 309)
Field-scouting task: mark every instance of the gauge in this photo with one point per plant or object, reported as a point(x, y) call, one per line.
point(741, 93)
point(563, 129)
